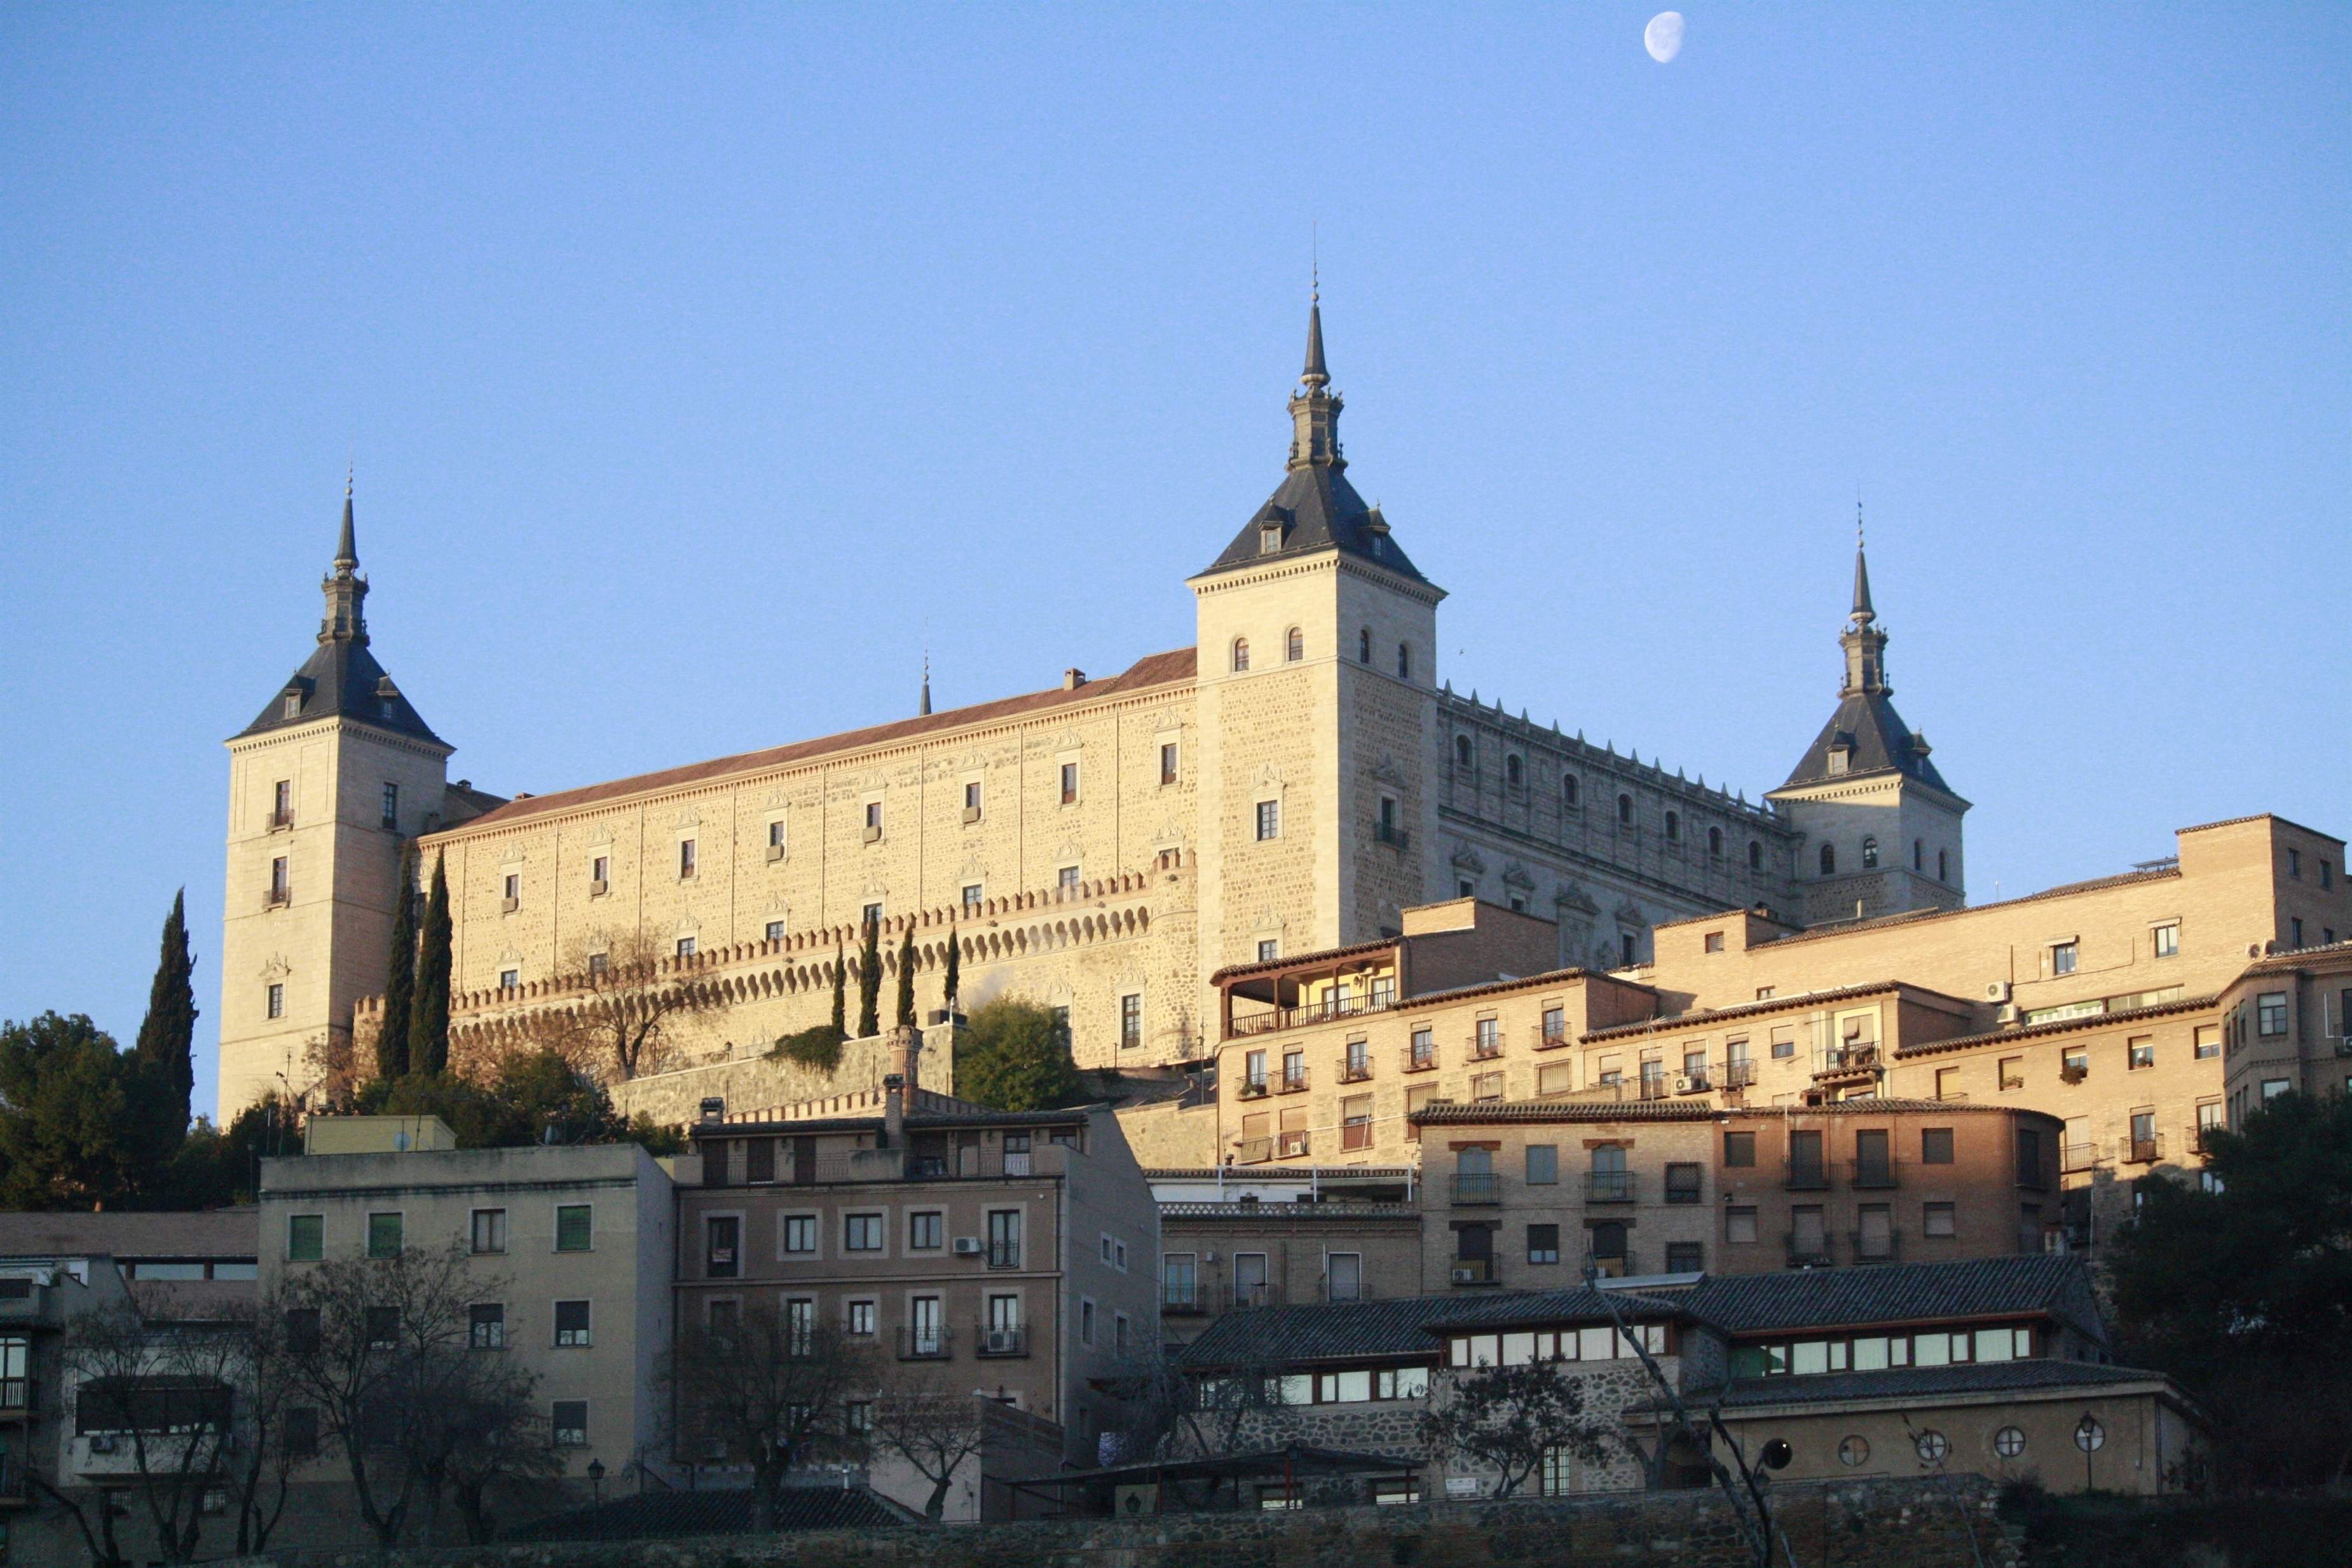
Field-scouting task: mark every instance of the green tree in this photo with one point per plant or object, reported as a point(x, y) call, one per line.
point(907, 978)
point(69, 1128)
point(817, 1047)
point(840, 981)
point(167, 1035)
point(428, 1024)
point(950, 983)
point(869, 982)
point(1509, 1419)
point(2242, 1289)
point(399, 972)
point(1015, 1056)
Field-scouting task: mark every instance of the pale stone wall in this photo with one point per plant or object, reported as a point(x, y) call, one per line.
point(757, 1080)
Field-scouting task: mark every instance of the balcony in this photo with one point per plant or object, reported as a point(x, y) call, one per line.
point(1355, 1069)
point(1420, 1060)
point(1653, 1086)
point(1253, 1089)
point(1379, 1000)
point(998, 1342)
point(1887, 1248)
point(2080, 1156)
point(280, 820)
point(1854, 1059)
point(1543, 1039)
point(1738, 1075)
point(926, 1344)
point(1003, 1254)
point(1485, 1047)
point(1290, 1145)
point(1480, 1188)
point(278, 898)
point(2142, 1151)
point(1694, 1082)
point(1388, 834)
point(1808, 1252)
point(1293, 1081)
point(1804, 1177)
point(1248, 1294)
point(2200, 1137)
point(1181, 1298)
point(1472, 1271)
point(1874, 1174)
point(1608, 1187)
point(1253, 1151)
point(15, 1396)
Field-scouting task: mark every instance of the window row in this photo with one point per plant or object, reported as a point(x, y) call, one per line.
point(1878, 1353)
point(1294, 650)
point(281, 799)
point(385, 1232)
point(1526, 1347)
point(800, 1238)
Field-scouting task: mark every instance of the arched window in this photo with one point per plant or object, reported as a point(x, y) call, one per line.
point(1918, 854)
point(1294, 644)
point(1755, 854)
point(1241, 654)
point(1571, 794)
point(1364, 646)
point(1511, 772)
point(1943, 869)
point(1870, 854)
point(1674, 826)
point(1715, 844)
point(1829, 860)
point(1626, 810)
point(1462, 751)
point(1404, 661)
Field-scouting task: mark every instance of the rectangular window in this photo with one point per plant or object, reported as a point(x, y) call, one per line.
point(722, 1251)
point(1934, 1145)
point(2142, 1052)
point(1066, 879)
point(486, 1326)
point(1784, 1046)
point(569, 1423)
point(2012, 1072)
point(1685, 1257)
point(1739, 1224)
point(511, 888)
point(1937, 1219)
point(2270, 1014)
point(281, 803)
point(572, 1324)
point(685, 859)
point(776, 838)
point(1269, 819)
point(971, 895)
point(383, 1235)
point(2075, 1064)
point(1069, 783)
point(2062, 958)
point(1543, 1243)
point(686, 946)
point(873, 822)
point(574, 1227)
point(870, 915)
point(381, 1327)
point(1268, 949)
point(925, 1230)
point(489, 1230)
point(1485, 1087)
point(600, 871)
point(775, 931)
point(1131, 1022)
point(2167, 939)
point(972, 797)
point(281, 880)
point(800, 1235)
point(302, 1330)
point(1543, 1165)
point(1168, 762)
point(306, 1238)
point(274, 1000)
point(509, 979)
point(1739, 1149)
point(861, 1233)
point(2209, 1040)
point(1004, 1239)
point(1682, 1182)
point(860, 1323)
point(1085, 1323)
point(2274, 1087)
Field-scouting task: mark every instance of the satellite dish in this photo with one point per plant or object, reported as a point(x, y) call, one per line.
point(1777, 1454)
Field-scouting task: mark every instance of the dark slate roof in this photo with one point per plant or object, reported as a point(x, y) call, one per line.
point(1582, 1304)
point(2039, 1283)
point(1319, 510)
point(341, 679)
point(1881, 743)
point(1926, 1382)
point(656, 1514)
point(1325, 1332)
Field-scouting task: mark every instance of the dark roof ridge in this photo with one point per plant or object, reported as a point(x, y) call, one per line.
point(2063, 889)
point(1700, 1019)
point(2055, 1026)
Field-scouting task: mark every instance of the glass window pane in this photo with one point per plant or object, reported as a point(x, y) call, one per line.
point(1809, 1357)
point(1869, 1355)
point(1994, 1345)
point(1932, 1349)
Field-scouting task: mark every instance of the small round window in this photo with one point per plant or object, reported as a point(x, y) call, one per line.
point(2008, 1442)
point(1853, 1452)
point(1933, 1446)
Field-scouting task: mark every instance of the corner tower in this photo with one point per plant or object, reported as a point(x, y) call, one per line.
point(1317, 708)
point(324, 785)
point(1882, 828)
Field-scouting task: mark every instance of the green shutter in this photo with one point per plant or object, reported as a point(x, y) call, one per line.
point(306, 1238)
point(573, 1229)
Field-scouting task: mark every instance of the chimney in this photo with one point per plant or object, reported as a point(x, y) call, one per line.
point(906, 1050)
point(893, 1110)
point(1073, 679)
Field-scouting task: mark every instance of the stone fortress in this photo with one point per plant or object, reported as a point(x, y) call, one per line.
point(1291, 783)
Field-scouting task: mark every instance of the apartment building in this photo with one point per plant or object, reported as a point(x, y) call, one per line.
point(1232, 1239)
point(1015, 1253)
point(572, 1247)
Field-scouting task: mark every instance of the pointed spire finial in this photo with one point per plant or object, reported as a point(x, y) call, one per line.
point(1862, 613)
point(927, 682)
point(347, 554)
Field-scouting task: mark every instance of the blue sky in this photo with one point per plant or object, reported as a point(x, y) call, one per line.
point(701, 362)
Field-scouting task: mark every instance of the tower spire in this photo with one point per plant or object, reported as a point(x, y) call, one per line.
point(1315, 407)
point(1864, 641)
point(1315, 374)
point(345, 588)
point(347, 553)
point(926, 709)
point(1862, 613)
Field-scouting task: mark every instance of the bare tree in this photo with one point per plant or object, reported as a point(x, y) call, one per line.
point(1511, 1418)
point(620, 1024)
point(766, 1388)
point(166, 1391)
point(269, 1457)
point(925, 1419)
point(1174, 1412)
point(377, 1346)
point(482, 1430)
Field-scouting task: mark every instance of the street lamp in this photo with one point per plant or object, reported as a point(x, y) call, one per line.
point(2089, 1435)
point(596, 1478)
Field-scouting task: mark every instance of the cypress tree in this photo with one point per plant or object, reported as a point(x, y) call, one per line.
point(907, 978)
point(955, 967)
point(428, 1023)
point(840, 980)
point(167, 1035)
point(869, 983)
point(399, 973)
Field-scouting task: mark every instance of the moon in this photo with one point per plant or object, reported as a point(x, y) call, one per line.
point(1664, 36)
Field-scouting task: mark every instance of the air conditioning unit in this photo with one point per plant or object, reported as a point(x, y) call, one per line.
point(967, 1246)
point(2008, 1013)
point(101, 1443)
point(1470, 1274)
point(1683, 1085)
point(1002, 1341)
point(1998, 991)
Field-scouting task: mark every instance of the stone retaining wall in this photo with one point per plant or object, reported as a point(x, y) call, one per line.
point(1925, 1524)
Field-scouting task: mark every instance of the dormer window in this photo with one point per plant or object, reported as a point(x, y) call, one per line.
point(1839, 755)
point(1269, 537)
point(293, 704)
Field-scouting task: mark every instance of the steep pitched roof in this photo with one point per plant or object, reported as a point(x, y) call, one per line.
point(1581, 1304)
point(2052, 1283)
point(1876, 740)
point(1319, 510)
point(1334, 1331)
point(341, 679)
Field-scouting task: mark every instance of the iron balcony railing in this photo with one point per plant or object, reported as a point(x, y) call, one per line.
point(1655, 1086)
point(1372, 1001)
point(1420, 1060)
point(1807, 1175)
point(1391, 834)
point(2078, 1156)
point(1294, 1080)
point(1355, 1069)
point(15, 1394)
point(2144, 1151)
point(1874, 1173)
point(1683, 1190)
point(1738, 1075)
point(1853, 1056)
point(1485, 1047)
point(1886, 1249)
point(1253, 1089)
point(1480, 1187)
point(1808, 1252)
point(1550, 1038)
point(925, 1344)
point(1290, 1145)
point(1608, 1187)
point(1255, 1294)
point(1472, 1271)
point(999, 1341)
point(1180, 1297)
point(1003, 1254)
